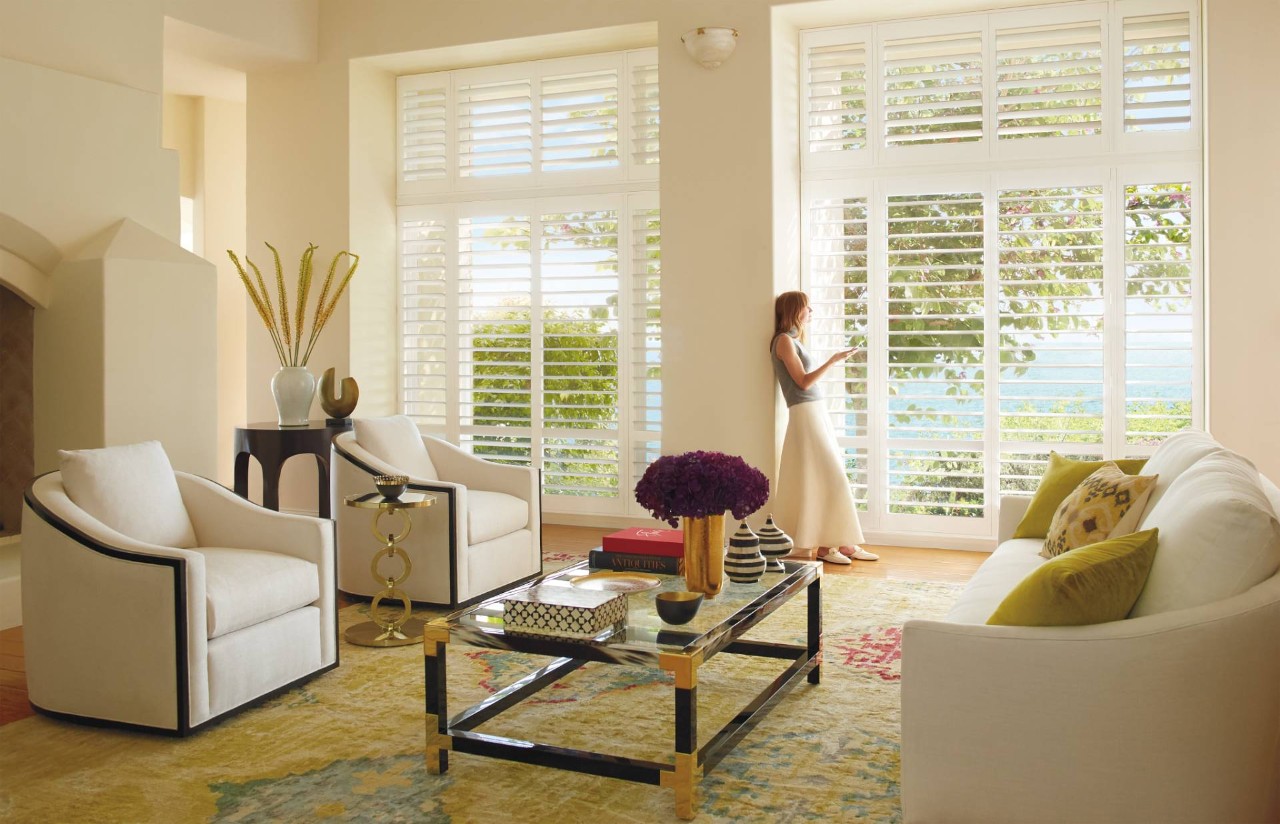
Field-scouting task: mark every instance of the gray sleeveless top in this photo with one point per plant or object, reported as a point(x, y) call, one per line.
point(792, 393)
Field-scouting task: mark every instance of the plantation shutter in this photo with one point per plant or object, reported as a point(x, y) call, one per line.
point(935, 351)
point(645, 108)
point(579, 274)
point(424, 324)
point(494, 336)
point(579, 124)
point(1049, 80)
point(423, 136)
point(494, 126)
point(933, 86)
point(646, 336)
point(1051, 311)
point(1157, 72)
point(835, 90)
point(839, 291)
point(1159, 312)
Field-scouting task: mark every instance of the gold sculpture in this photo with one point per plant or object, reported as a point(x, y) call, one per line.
point(344, 404)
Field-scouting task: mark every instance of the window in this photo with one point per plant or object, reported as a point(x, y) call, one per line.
point(531, 324)
point(1006, 218)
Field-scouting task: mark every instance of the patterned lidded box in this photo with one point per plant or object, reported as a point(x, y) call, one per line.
point(564, 611)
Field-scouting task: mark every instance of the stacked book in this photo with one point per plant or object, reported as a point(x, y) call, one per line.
point(641, 549)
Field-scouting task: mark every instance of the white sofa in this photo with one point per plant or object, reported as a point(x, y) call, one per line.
point(1172, 715)
point(483, 535)
point(137, 631)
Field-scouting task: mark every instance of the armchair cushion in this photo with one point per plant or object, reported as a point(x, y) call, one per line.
point(131, 489)
point(494, 514)
point(244, 587)
point(395, 440)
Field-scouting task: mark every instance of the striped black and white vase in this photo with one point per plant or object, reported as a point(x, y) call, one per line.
point(744, 564)
point(774, 545)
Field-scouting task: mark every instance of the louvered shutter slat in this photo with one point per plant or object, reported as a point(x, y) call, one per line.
point(1157, 62)
point(567, 104)
point(1049, 81)
point(933, 90)
point(423, 149)
point(495, 124)
point(837, 97)
point(645, 115)
point(423, 381)
point(1159, 311)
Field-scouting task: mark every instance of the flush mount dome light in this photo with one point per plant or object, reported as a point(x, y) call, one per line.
point(710, 46)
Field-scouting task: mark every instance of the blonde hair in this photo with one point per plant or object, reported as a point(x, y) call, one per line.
point(786, 313)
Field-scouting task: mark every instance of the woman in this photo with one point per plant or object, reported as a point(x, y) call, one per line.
point(812, 500)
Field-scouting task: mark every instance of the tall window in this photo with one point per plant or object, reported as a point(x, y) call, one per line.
point(531, 269)
point(1004, 211)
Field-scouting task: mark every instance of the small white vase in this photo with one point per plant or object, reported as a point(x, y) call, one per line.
point(293, 387)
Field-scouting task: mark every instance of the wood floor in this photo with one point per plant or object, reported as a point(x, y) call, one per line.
point(899, 563)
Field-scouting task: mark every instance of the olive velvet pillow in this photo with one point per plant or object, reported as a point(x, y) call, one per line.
point(1090, 585)
point(1061, 479)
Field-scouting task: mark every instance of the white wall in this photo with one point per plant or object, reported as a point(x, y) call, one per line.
point(1243, 169)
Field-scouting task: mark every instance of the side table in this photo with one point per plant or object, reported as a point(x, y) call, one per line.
point(273, 444)
point(405, 629)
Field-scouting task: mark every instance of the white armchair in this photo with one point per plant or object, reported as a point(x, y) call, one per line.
point(125, 630)
point(482, 536)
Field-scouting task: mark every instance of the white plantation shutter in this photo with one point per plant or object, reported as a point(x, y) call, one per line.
point(424, 323)
point(579, 285)
point(839, 295)
point(835, 90)
point(1049, 80)
point(645, 107)
point(494, 126)
point(1159, 313)
point(494, 334)
point(646, 336)
point(579, 122)
point(935, 349)
point(424, 130)
point(1051, 311)
point(932, 89)
point(1157, 72)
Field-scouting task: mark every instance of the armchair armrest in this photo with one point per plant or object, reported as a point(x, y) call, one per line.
point(476, 473)
point(222, 518)
point(1012, 509)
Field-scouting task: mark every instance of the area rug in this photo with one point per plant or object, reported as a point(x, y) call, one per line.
point(348, 745)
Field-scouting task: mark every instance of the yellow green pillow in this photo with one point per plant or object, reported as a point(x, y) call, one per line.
point(1090, 585)
point(1060, 480)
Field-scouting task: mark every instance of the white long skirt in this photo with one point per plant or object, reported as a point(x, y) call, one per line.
point(813, 502)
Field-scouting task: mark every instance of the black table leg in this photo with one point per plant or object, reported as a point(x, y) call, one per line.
point(815, 629)
point(437, 716)
point(242, 474)
point(322, 475)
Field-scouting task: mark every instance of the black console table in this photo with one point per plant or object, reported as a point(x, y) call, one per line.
point(273, 444)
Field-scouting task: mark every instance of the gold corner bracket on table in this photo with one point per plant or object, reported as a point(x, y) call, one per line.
point(435, 631)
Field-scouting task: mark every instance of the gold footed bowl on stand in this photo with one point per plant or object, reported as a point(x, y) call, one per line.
point(404, 629)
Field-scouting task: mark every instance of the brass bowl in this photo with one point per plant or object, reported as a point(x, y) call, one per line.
point(678, 607)
point(391, 486)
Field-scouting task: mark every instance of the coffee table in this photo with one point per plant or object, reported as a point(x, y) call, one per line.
point(644, 641)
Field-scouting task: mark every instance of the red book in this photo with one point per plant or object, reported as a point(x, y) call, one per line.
point(646, 541)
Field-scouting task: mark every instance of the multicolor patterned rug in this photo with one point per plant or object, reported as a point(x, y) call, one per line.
point(348, 746)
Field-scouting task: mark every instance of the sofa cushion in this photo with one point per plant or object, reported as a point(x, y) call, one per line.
point(1093, 584)
point(1060, 479)
point(494, 514)
point(1218, 536)
point(395, 440)
point(1107, 504)
point(1178, 453)
point(1012, 561)
point(244, 587)
point(130, 489)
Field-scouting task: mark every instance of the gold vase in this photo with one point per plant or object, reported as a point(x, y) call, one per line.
point(704, 554)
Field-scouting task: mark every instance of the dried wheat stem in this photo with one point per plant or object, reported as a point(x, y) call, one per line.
point(284, 305)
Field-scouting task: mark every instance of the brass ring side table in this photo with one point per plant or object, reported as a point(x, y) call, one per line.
point(405, 629)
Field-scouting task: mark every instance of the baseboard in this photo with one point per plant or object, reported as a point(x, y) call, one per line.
point(603, 521)
point(930, 541)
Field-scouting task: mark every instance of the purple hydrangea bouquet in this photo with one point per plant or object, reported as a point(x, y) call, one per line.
point(700, 484)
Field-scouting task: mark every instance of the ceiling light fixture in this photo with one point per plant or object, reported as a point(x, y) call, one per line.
point(710, 46)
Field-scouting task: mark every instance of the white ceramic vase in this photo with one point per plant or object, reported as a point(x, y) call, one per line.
point(293, 387)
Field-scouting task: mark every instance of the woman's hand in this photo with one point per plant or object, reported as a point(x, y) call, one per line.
point(842, 355)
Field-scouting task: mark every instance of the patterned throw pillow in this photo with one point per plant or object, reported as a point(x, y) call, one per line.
point(1106, 505)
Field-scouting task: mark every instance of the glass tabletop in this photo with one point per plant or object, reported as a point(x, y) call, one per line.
point(646, 636)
